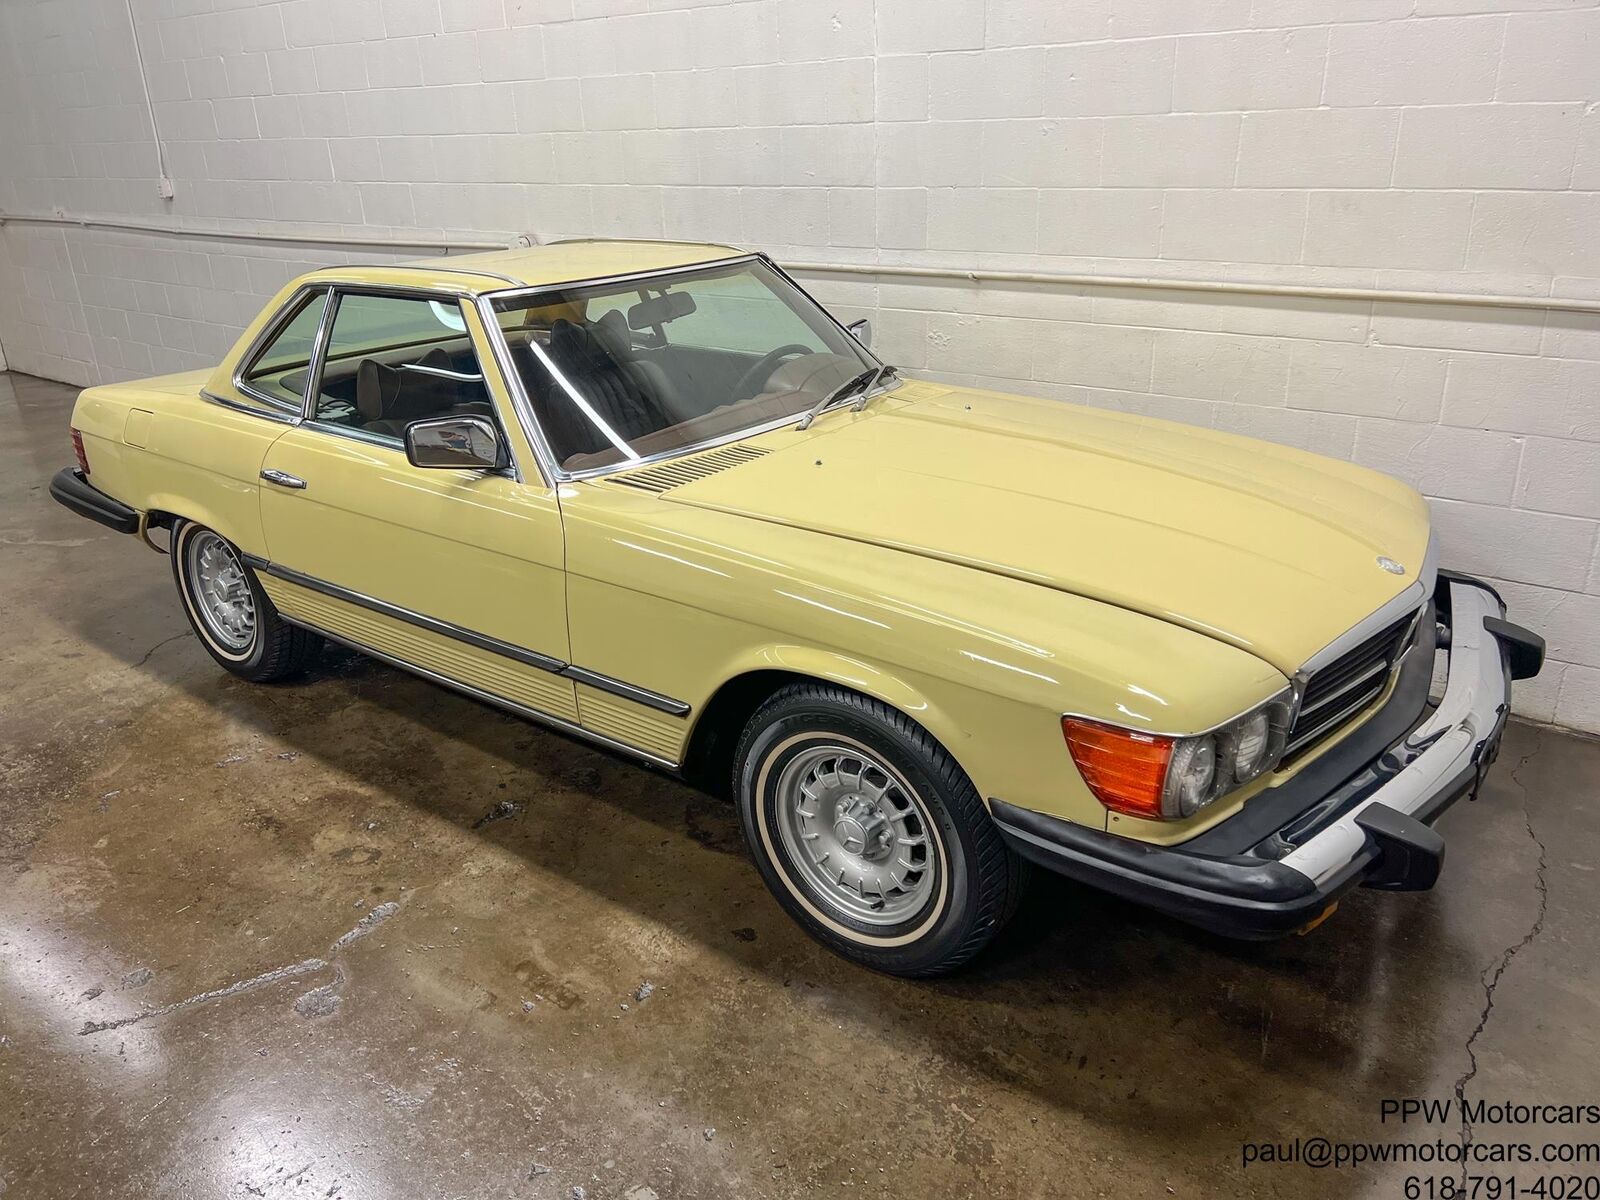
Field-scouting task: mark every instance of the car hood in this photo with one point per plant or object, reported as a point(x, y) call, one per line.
point(1270, 549)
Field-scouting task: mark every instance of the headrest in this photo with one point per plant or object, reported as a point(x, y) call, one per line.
point(388, 393)
point(611, 331)
point(570, 343)
point(376, 385)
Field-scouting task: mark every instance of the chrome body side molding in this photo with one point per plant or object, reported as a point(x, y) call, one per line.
point(482, 641)
point(628, 691)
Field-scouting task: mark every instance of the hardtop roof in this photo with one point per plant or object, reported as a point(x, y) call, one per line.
point(570, 262)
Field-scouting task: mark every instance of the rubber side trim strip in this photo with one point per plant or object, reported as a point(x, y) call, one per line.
point(627, 691)
point(532, 658)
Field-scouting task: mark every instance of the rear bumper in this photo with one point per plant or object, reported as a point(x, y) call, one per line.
point(72, 489)
point(1371, 827)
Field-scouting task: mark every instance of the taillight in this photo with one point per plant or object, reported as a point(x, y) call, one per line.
point(77, 448)
point(1126, 771)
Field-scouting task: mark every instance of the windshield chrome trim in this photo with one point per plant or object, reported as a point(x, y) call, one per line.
point(553, 472)
point(536, 289)
point(511, 379)
point(737, 435)
point(823, 308)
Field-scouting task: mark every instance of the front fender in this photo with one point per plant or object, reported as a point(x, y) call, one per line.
point(1006, 746)
point(846, 671)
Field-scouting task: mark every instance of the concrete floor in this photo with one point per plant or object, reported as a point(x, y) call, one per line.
point(184, 859)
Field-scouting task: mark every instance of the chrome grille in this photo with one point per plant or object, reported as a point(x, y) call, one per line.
point(1347, 685)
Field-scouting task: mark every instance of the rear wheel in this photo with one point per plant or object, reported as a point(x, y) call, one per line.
point(869, 834)
point(230, 612)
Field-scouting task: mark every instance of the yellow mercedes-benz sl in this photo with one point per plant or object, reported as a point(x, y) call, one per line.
point(654, 495)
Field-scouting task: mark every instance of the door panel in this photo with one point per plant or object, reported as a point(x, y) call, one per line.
point(476, 550)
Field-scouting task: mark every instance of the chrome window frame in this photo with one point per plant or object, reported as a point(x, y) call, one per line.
point(552, 469)
point(280, 410)
point(319, 358)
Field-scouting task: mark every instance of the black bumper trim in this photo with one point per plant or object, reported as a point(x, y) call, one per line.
point(1252, 899)
point(1238, 897)
point(1410, 854)
point(1524, 648)
point(70, 488)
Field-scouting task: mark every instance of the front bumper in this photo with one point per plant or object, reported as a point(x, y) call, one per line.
point(1371, 825)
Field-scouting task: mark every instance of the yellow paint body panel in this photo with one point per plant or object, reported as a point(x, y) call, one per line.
point(984, 563)
point(480, 551)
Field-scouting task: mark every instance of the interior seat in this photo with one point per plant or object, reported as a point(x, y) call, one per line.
point(390, 398)
point(612, 332)
point(618, 395)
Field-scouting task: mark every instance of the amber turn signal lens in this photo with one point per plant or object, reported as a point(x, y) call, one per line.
point(1125, 770)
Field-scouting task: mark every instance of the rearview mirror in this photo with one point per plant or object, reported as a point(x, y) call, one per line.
point(860, 330)
point(658, 310)
point(461, 443)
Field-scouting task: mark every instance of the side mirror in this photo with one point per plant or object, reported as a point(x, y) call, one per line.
point(459, 443)
point(861, 330)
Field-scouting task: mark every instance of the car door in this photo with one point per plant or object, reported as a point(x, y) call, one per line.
point(456, 572)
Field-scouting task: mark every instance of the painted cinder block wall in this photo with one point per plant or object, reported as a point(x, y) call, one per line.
point(1436, 145)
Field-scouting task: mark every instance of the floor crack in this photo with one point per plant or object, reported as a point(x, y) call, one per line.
point(157, 646)
point(1490, 979)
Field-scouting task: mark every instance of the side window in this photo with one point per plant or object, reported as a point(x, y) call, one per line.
point(392, 360)
point(280, 372)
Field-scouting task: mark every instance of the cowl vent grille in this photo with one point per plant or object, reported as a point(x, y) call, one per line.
point(686, 470)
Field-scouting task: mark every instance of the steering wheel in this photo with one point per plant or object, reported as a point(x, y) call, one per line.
point(763, 368)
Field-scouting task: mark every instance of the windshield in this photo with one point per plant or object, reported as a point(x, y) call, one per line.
point(622, 371)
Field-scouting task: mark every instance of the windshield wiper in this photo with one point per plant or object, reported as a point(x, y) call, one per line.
point(864, 382)
point(884, 372)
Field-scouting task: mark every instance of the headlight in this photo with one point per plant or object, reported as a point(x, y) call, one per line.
point(1167, 778)
point(1249, 745)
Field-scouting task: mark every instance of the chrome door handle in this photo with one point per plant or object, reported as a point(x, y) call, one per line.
point(283, 479)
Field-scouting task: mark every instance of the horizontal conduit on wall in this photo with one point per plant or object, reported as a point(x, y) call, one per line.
point(973, 275)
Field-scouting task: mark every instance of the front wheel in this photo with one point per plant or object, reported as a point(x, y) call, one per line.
point(869, 834)
point(230, 612)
